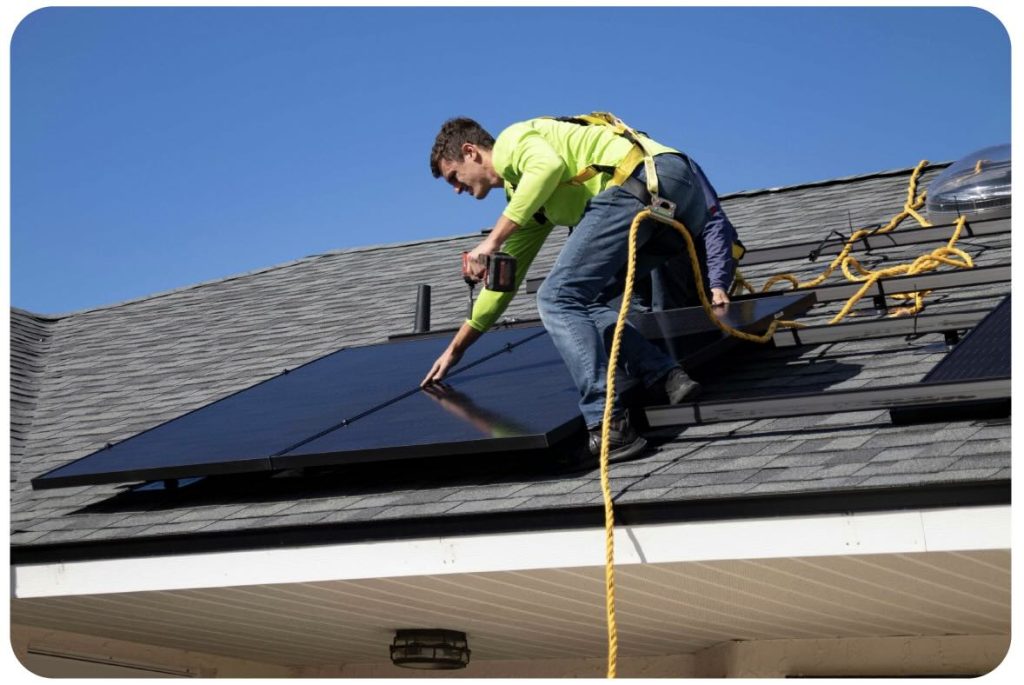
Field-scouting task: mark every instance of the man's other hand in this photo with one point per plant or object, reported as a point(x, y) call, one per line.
point(719, 297)
point(439, 370)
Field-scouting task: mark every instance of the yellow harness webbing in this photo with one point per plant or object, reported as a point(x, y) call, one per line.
point(639, 153)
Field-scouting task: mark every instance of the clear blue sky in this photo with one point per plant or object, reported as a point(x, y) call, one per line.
point(154, 148)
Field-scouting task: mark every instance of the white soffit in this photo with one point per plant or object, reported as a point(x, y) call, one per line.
point(931, 530)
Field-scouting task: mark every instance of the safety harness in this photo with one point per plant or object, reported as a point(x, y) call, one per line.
point(622, 174)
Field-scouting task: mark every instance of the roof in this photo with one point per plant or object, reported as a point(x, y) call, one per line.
point(87, 378)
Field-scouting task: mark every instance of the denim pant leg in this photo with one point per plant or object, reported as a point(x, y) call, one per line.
point(573, 301)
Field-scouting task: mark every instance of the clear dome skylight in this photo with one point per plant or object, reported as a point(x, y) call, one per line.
point(977, 186)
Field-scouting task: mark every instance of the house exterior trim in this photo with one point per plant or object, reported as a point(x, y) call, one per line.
point(881, 532)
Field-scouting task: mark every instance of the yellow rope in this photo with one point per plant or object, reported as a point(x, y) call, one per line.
point(613, 357)
point(926, 262)
point(855, 272)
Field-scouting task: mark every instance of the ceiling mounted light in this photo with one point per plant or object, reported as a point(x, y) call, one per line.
point(431, 649)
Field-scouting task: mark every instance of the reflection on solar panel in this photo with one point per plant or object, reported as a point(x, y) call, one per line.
point(983, 354)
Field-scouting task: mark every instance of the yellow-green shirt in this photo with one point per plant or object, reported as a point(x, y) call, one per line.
point(536, 158)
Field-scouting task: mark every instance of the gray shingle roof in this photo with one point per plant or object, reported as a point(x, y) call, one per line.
point(97, 376)
point(30, 338)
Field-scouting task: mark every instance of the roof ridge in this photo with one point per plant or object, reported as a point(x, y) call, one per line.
point(832, 181)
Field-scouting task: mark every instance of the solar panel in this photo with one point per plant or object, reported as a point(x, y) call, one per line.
point(241, 432)
point(692, 339)
point(512, 391)
point(520, 400)
point(745, 314)
point(983, 354)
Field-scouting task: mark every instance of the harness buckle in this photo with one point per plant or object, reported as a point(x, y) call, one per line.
point(662, 209)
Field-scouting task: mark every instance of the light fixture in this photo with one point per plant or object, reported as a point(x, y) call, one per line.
point(432, 649)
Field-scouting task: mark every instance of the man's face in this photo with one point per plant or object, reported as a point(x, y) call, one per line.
point(468, 175)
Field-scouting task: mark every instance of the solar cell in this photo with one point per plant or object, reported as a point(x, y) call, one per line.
point(693, 340)
point(983, 353)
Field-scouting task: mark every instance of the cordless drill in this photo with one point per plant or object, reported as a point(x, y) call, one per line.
point(499, 274)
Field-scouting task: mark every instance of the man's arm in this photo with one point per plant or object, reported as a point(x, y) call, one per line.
point(466, 336)
point(522, 243)
point(718, 235)
point(492, 243)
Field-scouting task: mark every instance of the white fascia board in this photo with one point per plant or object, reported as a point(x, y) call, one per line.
point(906, 531)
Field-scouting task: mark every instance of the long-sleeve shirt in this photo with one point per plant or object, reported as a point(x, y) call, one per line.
point(719, 235)
point(536, 158)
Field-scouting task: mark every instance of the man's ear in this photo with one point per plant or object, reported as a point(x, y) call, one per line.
point(470, 151)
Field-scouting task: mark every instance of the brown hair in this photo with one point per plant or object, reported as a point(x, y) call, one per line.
point(449, 141)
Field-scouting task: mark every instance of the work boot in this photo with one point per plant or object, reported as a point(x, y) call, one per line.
point(623, 442)
point(679, 386)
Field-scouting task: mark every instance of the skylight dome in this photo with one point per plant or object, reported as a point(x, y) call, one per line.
point(977, 186)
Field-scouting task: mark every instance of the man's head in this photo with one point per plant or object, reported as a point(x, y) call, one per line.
point(462, 156)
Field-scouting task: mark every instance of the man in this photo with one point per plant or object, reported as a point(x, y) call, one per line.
point(534, 161)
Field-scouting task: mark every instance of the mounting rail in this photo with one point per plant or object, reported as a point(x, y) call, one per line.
point(830, 402)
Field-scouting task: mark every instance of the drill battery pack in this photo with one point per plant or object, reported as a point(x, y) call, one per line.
point(499, 274)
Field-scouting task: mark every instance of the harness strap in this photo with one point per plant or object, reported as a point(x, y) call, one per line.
point(640, 152)
point(622, 175)
point(634, 187)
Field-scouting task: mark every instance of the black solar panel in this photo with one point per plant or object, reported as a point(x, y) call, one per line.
point(692, 339)
point(983, 354)
point(519, 400)
point(241, 432)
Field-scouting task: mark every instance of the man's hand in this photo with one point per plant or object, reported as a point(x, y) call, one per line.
point(449, 358)
point(719, 297)
point(478, 258)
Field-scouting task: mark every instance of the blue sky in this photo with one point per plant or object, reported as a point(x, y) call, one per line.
point(154, 148)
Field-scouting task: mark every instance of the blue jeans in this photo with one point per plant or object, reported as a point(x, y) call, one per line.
point(589, 272)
